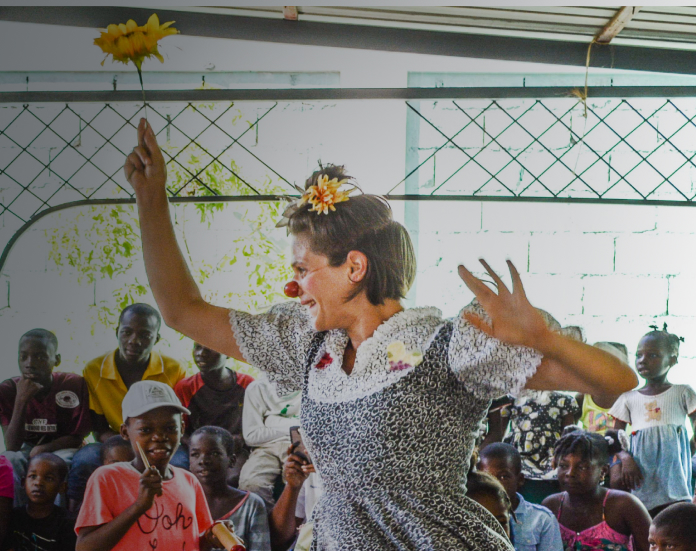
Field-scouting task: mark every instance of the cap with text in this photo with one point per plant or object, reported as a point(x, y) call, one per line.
point(145, 396)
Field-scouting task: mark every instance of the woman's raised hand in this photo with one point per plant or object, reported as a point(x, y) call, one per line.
point(513, 319)
point(145, 168)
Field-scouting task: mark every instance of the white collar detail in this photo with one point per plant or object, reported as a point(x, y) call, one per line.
point(372, 371)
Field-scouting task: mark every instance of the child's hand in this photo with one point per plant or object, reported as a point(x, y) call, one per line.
point(27, 389)
point(631, 475)
point(150, 486)
point(296, 470)
point(211, 541)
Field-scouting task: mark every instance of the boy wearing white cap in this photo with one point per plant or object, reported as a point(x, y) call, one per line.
point(133, 506)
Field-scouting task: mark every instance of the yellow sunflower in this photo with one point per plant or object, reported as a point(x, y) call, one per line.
point(130, 42)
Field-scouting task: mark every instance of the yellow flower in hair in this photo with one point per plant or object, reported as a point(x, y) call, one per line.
point(130, 42)
point(325, 194)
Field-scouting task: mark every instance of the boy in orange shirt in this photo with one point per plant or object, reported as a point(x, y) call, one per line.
point(128, 506)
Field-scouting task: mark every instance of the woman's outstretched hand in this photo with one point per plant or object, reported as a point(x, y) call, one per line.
point(513, 319)
point(145, 168)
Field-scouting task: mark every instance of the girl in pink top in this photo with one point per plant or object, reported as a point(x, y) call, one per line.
point(592, 517)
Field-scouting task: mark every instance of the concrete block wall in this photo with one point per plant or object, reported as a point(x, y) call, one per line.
point(612, 269)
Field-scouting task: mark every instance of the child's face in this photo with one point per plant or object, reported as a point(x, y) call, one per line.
point(43, 482)
point(496, 507)
point(653, 359)
point(208, 458)
point(660, 540)
point(118, 454)
point(505, 472)
point(158, 432)
point(137, 335)
point(579, 475)
point(207, 359)
point(37, 358)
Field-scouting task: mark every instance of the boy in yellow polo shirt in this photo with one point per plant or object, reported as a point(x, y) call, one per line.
point(110, 376)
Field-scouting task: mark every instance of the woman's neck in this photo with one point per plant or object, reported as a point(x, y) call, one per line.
point(365, 318)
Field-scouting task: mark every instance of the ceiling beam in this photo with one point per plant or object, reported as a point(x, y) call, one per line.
point(366, 37)
point(617, 23)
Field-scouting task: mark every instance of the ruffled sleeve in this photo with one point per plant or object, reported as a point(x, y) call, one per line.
point(276, 342)
point(487, 366)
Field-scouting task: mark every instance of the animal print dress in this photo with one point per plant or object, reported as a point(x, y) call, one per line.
point(392, 440)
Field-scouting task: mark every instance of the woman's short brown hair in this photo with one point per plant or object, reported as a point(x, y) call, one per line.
point(363, 223)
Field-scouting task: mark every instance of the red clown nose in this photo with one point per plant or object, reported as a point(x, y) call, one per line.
point(291, 289)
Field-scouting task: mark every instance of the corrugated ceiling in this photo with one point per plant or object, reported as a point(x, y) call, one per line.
point(663, 23)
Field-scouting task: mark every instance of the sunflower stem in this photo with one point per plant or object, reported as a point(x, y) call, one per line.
point(140, 76)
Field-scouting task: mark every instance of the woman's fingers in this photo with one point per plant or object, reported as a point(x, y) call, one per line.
point(132, 165)
point(150, 142)
point(475, 285)
point(143, 155)
point(499, 282)
point(517, 286)
point(142, 126)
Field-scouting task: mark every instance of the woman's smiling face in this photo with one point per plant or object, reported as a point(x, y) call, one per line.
point(322, 288)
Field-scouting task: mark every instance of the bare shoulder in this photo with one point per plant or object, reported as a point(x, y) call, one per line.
point(625, 502)
point(553, 502)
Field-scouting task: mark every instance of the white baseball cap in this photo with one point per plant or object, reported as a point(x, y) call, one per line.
point(145, 396)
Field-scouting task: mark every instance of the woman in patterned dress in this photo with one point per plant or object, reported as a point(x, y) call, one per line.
point(392, 398)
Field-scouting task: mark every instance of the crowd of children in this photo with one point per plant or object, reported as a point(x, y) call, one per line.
point(175, 454)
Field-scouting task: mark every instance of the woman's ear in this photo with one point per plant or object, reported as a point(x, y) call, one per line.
point(357, 264)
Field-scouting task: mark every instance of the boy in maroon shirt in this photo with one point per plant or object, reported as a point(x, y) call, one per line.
point(215, 396)
point(41, 411)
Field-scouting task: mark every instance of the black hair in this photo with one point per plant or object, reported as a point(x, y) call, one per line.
point(231, 444)
point(483, 483)
point(504, 452)
point(588, 445)
point(141, 309)
point(670, 339)
point(59, 464)
point(111, 443)
point(364, 223)
point(679, 520)
point(44, 335)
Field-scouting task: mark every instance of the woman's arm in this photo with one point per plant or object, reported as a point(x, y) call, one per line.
point(567, 364)
point(175, 291)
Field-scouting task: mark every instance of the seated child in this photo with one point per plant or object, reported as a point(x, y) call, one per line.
point(292, 512)
point(41, 411)
point(266, 421)
point(130, 506)
point(674, 529)
point(116, 450)
point(485, 489)
point(6, 497)
point(211, 452)
point(215, 397)
point(533, 526)
point(591, 516)
point(41, 524)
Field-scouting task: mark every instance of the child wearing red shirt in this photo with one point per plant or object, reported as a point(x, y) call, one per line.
point(129, 506)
